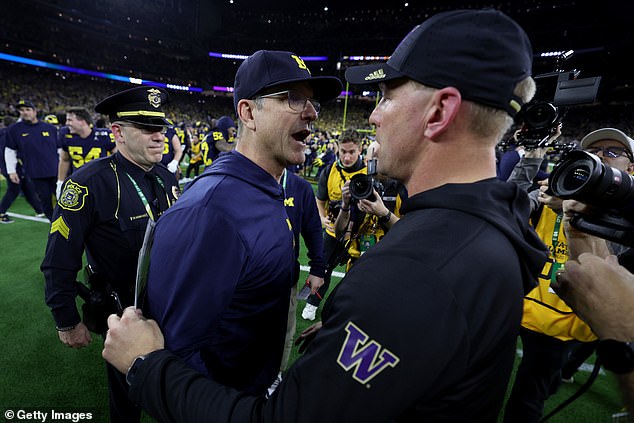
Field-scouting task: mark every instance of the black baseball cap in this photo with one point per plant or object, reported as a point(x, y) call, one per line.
point(140, 105)
point(481, 52)
point(24, 103)
point(268, 68)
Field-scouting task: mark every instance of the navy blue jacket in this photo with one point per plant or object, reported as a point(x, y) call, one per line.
point(301, 206)
point(221, 272)
point(36, 145)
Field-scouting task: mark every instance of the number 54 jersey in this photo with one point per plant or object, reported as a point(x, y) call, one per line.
point(100, 143)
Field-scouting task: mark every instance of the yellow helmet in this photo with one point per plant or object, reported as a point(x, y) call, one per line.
point(52, 119)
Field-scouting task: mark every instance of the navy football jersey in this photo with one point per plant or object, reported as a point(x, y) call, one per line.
point(98, 144)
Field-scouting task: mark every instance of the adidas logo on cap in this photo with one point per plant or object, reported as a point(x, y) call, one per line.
point(377, 74)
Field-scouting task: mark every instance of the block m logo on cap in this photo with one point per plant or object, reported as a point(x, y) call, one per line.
point(300, 63)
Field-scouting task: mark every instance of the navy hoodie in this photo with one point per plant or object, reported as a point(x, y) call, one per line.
point(221, 272)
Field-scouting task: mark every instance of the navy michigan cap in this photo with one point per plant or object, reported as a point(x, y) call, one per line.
point(481, 52)
point(268, 68)
point(140, 105)
point(24, 103)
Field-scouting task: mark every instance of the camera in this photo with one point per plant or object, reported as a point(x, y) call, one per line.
point(362, 185)
point(582, 176)
point(556, 92)
point(539, 121)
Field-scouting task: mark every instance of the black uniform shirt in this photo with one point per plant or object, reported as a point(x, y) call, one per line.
point(101, 211)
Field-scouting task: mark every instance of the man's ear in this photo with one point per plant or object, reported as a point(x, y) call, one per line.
point(117, 133)
point(245, 112)
point(443, 109)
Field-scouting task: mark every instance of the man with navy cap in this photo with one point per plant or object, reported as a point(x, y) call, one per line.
point(103, 211)
point(34, 142)
point(230, 324)
point(423, 327)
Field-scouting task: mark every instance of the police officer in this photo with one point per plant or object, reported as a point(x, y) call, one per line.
point(103, 210)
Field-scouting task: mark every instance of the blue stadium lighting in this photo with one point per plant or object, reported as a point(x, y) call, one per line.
point(243, 56)
point(228, 56)
point(128, 79)
point(366, 58)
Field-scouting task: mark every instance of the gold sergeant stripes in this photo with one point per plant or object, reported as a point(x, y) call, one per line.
point(60, 226)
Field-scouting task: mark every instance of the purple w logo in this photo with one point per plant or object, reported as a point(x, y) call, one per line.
point(367, 358)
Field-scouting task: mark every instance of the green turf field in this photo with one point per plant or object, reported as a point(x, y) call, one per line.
point(41, 374)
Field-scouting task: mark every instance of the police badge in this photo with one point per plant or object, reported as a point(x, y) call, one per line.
point(73, 196)
point(154, 97)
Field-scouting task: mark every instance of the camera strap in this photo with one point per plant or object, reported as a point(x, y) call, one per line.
point(343, 177)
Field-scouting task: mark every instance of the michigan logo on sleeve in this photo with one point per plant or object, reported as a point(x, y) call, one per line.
point(73, 197)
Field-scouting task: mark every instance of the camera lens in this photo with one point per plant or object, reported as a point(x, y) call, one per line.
point(575, 179)
point(540, 116)
point(583, 177)
point(361, 186)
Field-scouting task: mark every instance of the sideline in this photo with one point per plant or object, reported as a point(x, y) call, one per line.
point(25, 217)
point(45, 220)
point(337, 274)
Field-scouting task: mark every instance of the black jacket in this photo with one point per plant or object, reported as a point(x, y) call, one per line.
point(100, 213)
point(423, 328)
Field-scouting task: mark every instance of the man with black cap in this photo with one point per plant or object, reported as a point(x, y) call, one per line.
point(103, 211)
point(423, 327)
point(34, 142)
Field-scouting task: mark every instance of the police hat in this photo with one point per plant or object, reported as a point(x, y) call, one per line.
point(24, 103)
point(140, 105)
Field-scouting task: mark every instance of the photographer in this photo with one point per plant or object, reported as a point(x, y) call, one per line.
point(550, 330)
point(328, 195)
point(363, 222)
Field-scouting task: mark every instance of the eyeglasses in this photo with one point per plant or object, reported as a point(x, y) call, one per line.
point(296, 100)
point(146, 129)
point(612, 152)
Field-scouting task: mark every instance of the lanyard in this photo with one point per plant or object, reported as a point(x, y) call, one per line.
point(142, 196)
point(556, 265)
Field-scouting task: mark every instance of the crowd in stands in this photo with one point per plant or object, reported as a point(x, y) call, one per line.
point(54, 91)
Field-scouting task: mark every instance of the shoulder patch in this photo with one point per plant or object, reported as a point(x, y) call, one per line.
point(73, 197)
point(59, 225)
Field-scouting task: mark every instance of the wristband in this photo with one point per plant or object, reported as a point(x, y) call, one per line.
point(345, 210)
point(386, 218)
point(65, 328)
